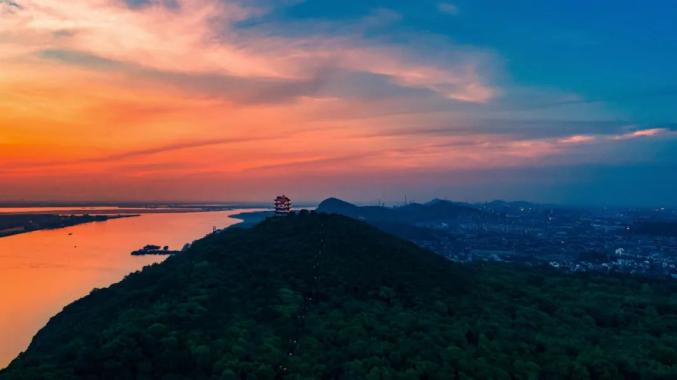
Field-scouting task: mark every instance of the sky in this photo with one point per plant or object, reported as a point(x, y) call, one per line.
point(238, 100)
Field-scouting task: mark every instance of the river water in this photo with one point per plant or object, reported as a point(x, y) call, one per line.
point(42, 271)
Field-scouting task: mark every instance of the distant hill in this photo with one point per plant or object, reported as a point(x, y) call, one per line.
point(318, 296)
point(504, 206)
point(436, 210)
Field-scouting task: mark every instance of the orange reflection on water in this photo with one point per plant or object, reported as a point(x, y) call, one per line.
point(42, 271)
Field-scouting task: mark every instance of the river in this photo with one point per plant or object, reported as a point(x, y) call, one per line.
point(42, 271)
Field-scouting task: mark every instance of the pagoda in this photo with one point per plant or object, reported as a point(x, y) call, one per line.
point(282, 205)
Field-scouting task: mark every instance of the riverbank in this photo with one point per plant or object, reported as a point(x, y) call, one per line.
point(250, 219)
point(104, 210)
point(13, 224)
point(120, 208)
point(42, 271)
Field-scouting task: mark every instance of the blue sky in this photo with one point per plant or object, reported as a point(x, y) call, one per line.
point(622, 52)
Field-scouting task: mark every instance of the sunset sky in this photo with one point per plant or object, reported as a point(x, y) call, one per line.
point(216, 100)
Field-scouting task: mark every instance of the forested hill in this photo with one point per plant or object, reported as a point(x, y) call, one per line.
point(318, 296)
point(410, 213)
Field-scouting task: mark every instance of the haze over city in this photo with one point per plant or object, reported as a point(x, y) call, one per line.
point(210, 100)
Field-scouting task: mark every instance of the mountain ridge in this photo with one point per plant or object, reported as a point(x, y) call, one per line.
point(409, 213)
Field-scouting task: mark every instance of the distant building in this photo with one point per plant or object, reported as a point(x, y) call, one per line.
point(282, 205)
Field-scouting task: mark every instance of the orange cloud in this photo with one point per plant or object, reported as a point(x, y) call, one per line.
point(98, 96)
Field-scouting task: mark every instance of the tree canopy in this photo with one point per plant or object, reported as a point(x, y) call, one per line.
point(316, 296)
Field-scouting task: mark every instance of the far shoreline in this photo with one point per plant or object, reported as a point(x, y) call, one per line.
point(65, 223)
point(106, 211)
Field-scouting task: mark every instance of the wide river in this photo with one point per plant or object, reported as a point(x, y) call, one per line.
point(42, 271)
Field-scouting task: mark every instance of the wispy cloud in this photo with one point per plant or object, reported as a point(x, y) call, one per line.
point(577, 139)
point(447, 8)
point(166, 89)
point(162, 38)
point(652, 132)
point(9, 4)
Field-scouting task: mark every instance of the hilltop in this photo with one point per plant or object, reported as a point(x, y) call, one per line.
point(411, 221)
point(318, 296)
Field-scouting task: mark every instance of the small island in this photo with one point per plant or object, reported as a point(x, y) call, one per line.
point(152, 249)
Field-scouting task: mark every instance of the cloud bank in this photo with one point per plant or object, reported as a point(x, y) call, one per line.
point(158, 91)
